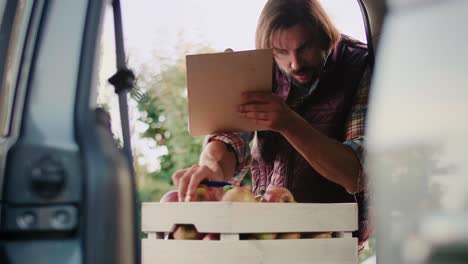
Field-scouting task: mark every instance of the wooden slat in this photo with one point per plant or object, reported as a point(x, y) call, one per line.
point(323, 251)
point(228, 217)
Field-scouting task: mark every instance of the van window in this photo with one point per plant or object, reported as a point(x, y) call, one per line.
point(14, 20)
point(2, 9)
point(6, 25)
point(158, 35)
point(347, 17)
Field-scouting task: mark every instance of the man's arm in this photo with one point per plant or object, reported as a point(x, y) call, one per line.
point(222, 156)
point(216, 163)
point(340, 163)
point(217, 156)
point(332, 159)
point(356, 125)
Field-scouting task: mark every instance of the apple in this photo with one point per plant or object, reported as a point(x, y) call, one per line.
point(316, 235)
point(238, 194)
point(186, 232)
point(205, 193)
point(211, 236)
point(258, 198)
point(170, 197)
point(227, 188)
point(275, 194)
point(183, 232)
point(263, 236)
point(258, 236)
point(289, 236)
point(202, 193)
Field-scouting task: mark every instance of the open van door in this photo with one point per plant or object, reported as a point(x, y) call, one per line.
point(67, 192)
point(417, 127)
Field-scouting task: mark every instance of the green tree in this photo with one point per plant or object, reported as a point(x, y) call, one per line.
point(369, 251)
point(163, 105)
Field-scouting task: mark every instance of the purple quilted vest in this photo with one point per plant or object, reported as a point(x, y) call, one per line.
point(276, 162)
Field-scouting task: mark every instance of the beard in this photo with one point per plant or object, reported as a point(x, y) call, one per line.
point(311, 71)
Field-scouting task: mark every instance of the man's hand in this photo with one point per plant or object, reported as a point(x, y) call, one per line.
point(267, 110)
point(187, 180)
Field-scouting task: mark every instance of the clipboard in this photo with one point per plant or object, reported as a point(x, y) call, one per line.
point(215, 83)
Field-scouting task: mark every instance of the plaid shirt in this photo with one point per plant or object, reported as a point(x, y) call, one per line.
point(354, 138)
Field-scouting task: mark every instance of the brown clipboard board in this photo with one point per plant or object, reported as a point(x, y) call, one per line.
point(215, 83)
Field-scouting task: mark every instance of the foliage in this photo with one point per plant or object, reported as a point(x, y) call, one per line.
point(163, 108)
point(369, 251)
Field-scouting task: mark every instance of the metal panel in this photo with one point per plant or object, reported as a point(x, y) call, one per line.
point(109, 218)
point(2, 9)
point(44, 252)
point(48, 125)
point(49, 122)
point(16, 71)
point(35, 229)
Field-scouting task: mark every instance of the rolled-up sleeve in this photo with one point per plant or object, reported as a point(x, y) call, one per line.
point(356, 124)
point(238, 143)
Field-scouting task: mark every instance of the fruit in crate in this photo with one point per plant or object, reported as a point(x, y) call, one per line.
point(202, 193)
point(170, 197)
point(288, 236)
point(264, 236)
point(205, 193)
point(186, 232)
point(258, 198)
point(211, 236)
point(181, 232)
point(275, 194)
point(238, 194)
point(316, 235)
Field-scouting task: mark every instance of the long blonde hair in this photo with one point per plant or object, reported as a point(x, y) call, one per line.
point(283, 14)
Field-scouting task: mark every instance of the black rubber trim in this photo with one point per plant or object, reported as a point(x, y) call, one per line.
point(6, 27)
point(36, 47)
point(86, 136)
point(123, 106)
point(367, 26)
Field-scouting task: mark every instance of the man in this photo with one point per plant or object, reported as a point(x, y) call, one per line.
point(315, 116)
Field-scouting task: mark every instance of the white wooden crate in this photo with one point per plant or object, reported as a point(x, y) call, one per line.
point(231, 218)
